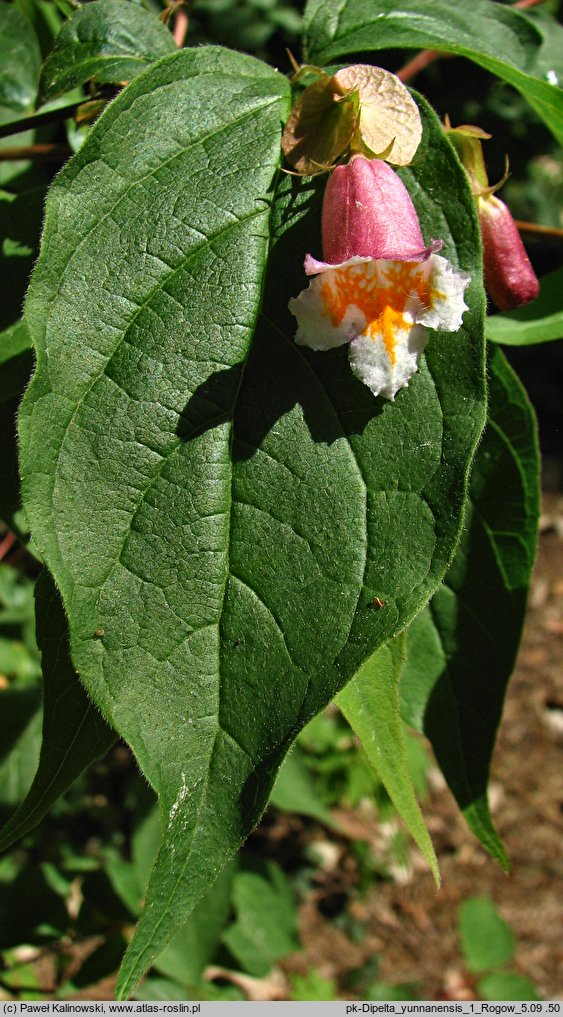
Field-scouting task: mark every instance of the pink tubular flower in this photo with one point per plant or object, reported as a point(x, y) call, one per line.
point(380, 287)
point(509, 277)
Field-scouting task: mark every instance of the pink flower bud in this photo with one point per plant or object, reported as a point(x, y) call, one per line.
point(509, 277)
point(368, 213)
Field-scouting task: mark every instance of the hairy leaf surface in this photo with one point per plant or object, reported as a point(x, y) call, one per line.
point(219, 512)
point(107, 40)
point(461, 649)
point(505, 42)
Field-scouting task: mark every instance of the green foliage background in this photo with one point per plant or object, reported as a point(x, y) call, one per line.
point(189, 434)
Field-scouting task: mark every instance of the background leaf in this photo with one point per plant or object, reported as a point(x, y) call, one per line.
point(19, 656)
point(265, 929)
point(108, 40)
point(74, 733)
point(192, 948)
point(16, 364)
point(20, 227)
point(45, 19)
point(242, 508)
point(539, 322)
point(505, 42)
point(20, 61)
point(295, 789)
point(20, 739)
point(486, 939)
point(459, 658)
point(370, 703)
point(504, 985)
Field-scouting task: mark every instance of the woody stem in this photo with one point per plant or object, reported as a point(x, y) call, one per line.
point(534, 228)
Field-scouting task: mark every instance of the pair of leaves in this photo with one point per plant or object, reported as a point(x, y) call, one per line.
point(458, 659)
point(462, 647)
point(109, 41)
point(243, 506)
point(506, 42)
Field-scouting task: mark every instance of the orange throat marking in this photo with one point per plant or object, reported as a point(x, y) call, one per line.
point(383, 305)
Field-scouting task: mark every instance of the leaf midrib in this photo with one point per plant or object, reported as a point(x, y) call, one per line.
point(229, 511)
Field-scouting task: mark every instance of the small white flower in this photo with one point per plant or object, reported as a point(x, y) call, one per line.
point(382, 308)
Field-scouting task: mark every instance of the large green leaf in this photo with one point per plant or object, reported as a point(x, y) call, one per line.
point(461, 649)
point(370, 703)
point(20, 60)
point(74, 733)
point(539, 322)
point(505, 42)
point(108, 40)
point(219, 518)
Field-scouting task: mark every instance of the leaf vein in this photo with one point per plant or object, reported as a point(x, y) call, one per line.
point(270, 611)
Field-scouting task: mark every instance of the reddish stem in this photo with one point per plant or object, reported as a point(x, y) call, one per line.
point(6, 544)
point(418, 63)
point(40, 153)
point(532, 227)
point(180, 28)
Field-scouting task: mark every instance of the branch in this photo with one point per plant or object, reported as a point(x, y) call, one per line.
point(6, 544)
point(419, 63)
point(541, 231)
point(180, 28)
point(39, 153)
point(39, 119)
